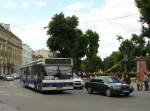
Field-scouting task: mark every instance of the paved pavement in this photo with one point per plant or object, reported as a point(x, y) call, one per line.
point(13, 97)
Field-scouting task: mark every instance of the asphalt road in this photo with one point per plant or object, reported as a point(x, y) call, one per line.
point(13, 97)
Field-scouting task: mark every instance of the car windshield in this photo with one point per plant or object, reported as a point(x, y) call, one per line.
point(112, 80)
point(76, 77)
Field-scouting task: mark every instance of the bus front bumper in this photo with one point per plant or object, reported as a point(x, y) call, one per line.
point(57, 88)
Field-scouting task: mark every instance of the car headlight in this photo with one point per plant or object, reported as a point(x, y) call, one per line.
point(116, 87)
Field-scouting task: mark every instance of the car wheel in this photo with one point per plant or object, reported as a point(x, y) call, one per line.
point(89, 90)
point(81, 87)
point(108, 93)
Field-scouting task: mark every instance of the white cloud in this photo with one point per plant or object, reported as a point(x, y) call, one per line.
point(10, 4)
point(60, 3)
point(33, 34)
point(41, 3)
point(79, 5)
point(116, 17)
point(25, 4)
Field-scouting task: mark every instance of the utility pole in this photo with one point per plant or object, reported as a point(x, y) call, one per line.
point(125, 63)
point(126, 69)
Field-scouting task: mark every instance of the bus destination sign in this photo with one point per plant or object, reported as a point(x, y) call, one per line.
point(57, 61)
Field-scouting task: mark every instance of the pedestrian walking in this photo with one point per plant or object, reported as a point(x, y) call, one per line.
point(114, 74)
point(127, 79)
point(146, 81)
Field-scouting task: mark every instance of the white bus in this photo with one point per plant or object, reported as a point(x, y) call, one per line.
point(48, 74)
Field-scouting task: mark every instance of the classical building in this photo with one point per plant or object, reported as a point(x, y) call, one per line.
point(41, 53)
point(26, 54)
point(10, 50)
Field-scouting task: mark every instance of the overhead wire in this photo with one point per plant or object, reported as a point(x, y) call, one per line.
point(102, 20)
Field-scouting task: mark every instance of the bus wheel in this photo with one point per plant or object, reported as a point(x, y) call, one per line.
point(39, 87)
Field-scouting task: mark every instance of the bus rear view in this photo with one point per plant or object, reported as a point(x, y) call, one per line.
point(48, 74)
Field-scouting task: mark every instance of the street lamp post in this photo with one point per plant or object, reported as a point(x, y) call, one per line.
point(125, 63)
point(126, 71)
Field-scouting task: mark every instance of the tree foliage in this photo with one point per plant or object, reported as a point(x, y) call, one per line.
point(114, 59)
point(134, 47)
point(144, 9)
point(62, 32)
point(69, 41)
point(93, 62)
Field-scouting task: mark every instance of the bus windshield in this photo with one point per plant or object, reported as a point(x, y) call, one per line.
point(65, 70)
point(59, 71)
point(51, 70)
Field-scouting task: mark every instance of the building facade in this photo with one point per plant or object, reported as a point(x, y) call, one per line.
point(44, 53)
point(26, 54)
point(10, 51)
point(41, 53)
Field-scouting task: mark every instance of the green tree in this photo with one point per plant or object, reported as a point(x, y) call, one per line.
point(144, 9)
point(113, 60)
point(79, 49)
point(148, 48)
point(62, 34)
point(139, 45)
point(93, 39)
point(65, 37)
point(134, 47)
point(69, 41)
point(94, 65)
point(93, 62)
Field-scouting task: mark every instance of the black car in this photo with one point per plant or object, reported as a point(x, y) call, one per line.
point(108, 85)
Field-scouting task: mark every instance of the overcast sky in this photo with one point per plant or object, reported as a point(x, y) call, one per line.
point(107, 17)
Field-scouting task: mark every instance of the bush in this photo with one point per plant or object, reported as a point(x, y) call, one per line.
point(132, 74)
point(120, 74)
point(103, 74)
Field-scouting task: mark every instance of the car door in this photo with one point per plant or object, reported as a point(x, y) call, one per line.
point(100, 85)
point(94, 84)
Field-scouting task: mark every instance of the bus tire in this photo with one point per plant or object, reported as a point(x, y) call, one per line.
point(39, 88)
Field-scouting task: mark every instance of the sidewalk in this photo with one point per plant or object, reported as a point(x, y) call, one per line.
point(135, 87)
point(4, 107)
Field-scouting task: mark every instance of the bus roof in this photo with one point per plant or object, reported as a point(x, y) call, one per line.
point(50, 61)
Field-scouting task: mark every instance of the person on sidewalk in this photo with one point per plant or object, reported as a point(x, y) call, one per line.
point(127, 79)
point(146, 81)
